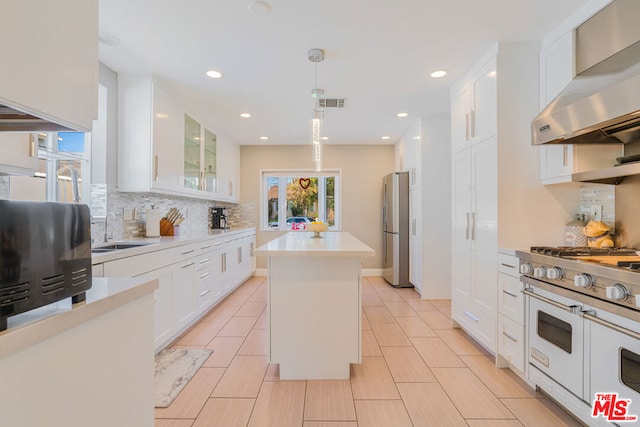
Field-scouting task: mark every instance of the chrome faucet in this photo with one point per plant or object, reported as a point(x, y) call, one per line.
point(106, 221)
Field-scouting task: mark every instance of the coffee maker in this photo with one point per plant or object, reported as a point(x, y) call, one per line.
point(218, 218)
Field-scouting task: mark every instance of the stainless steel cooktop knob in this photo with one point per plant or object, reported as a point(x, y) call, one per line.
point(554, 273)
point(540, 272)
point(526, 268)
point(583, 280)
point(617, 292)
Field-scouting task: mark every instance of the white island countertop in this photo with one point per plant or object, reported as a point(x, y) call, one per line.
point(302, 243)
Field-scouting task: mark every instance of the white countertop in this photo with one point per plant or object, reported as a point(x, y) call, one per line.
point(152, 244)
point(37, 325)
point(301, 243)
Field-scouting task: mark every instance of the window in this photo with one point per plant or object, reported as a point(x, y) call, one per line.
point(291, 200)
point(62, 162)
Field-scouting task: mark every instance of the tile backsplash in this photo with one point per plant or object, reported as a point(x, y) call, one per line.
point(599, 195)
point(195, 212)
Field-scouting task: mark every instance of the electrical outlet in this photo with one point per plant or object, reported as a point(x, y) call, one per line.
point(127, 214)
point(596, 212)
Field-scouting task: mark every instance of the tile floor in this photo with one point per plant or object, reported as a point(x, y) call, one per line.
point(416, 371)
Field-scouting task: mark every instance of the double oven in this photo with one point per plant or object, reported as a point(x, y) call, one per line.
point(583, 324)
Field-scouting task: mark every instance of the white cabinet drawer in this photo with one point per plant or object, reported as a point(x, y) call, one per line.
point(511, 342)
point(510, 298)
point(479, 322)
point(508, 264)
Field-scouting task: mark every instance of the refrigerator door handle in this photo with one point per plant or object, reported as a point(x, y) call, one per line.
point(467, 234)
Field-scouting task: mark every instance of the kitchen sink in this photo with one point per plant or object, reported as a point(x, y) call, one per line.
point(116, 247)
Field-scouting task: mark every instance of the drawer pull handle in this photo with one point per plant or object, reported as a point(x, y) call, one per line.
point(188, 265)
point(471, 316)
point(203, 293)
point(204, 275)
point(507, 265)
point(205, 247)
point(510, 337)
point(217, 243)
point(510, 294)
point(187, 252)
point(204, 261)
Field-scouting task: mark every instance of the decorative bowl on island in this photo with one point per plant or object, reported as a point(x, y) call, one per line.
point(317, 227)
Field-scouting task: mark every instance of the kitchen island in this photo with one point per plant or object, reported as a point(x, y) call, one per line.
point(314, 303)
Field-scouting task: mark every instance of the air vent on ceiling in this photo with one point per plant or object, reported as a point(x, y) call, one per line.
point(331, 102)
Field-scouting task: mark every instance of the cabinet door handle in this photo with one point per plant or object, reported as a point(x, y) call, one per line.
point(188, 265)
point(204, 261)
point(473, 226)
point(413, 227)
point(205, 247)
point(565, 155)
point(187, 252)
point(472, 123)
point(466, 234)
point(510, 294)
point(217, 243)
point(155, 168)
point(204, 275)
point(205, 292)
point(471, 316)
point(231, 188)
point(466, 127)
point(510, 337)
point(32, 146)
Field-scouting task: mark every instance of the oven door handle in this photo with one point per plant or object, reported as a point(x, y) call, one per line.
point(568, 308)
point(610, 325)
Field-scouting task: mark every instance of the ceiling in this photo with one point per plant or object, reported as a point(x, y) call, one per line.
point(378, 55)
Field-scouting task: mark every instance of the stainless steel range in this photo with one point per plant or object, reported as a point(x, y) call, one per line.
point(584, 326)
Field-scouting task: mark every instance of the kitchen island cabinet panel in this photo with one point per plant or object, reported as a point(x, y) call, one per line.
point(50, 60)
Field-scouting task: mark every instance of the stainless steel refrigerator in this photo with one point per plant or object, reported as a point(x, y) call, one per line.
point(395, 229)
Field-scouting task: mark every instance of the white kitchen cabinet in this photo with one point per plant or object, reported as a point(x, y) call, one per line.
point(415, 239)
point(474, 107)
point(204, 277)
point(559, 162)
point(50, 60)
point(18, 153)
point(184, 292)
point(511, 317)
point(149, 137)
point(229, 170)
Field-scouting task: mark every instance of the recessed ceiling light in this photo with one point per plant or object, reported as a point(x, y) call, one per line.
point(438, 73)
point(264, 138)
point(386, 137)
point(401, 115)
point(245, 115)
point(214, 74)
point(325, 138)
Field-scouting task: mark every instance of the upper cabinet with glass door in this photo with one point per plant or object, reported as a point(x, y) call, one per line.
point(209, 182)
point(192, 153)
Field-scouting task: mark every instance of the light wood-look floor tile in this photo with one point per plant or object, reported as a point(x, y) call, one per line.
point(389, 296)
point(365, 323)
point(238, 327)
point(329, 424)
point(372, 380)
point(435, 319)
point(236, 299)
point(406, 365)
point(242, 378)
point(408, 293)
point(255, 344)
point(494, 423)
point(201, 334)
point(415, 327)
point(400, 309)
point(174, 423)
point(382, 413)
point(440, 302)
point(470, 395)
point(260, 295)
point(446, 312)
point(224, 349)
point(501, 382)
point(436, 353)
point(279, 404)
point(389, 334)
point(261, 323)
point(377, 281)
point(329, 400)
point(225, 413)
point(220, 314)
point(460, 343)
point(371, 299)
point(273, 372)
point(428, 405)
point(251, 309)
point(378, 315)
point(539, 412)
point(193, 396)
point(420, 305)
point(370, 346)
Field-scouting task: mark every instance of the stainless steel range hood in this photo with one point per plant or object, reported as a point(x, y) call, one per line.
point(602, 104)
point(14, 120)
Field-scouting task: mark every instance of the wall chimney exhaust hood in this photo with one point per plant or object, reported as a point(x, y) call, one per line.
point(14, 120)
point(602, 104)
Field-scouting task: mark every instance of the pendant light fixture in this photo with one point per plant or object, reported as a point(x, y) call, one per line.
point(316, 55)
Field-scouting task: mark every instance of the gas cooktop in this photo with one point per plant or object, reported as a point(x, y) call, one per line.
point(570, 251)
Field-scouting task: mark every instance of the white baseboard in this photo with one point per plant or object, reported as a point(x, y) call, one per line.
point(365, 272)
